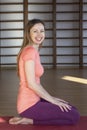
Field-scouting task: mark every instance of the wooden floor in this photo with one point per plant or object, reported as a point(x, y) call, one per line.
point(53, 82)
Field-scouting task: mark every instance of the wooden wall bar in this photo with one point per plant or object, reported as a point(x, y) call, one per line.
point(67, 29)
point(54, 33)
point(11, 31)
point(25, 12)
point(84, 21)
point(81, 34)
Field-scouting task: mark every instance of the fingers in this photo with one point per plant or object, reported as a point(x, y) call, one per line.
point(64, 107)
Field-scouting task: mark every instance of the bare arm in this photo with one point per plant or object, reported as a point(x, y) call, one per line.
point(38, 88)
point(30, 74)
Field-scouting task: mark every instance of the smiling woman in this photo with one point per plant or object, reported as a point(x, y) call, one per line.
point(35, 105)
point(37, 34)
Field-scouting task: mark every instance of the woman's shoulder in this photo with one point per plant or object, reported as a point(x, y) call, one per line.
point(28, 50)
point(29, 53)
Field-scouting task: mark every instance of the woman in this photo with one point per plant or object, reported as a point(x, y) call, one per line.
point(35, 105)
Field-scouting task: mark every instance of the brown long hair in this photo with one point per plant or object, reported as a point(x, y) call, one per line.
point(26, 40)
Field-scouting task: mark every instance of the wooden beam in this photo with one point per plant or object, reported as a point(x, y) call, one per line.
point(81, 34)
point(25, 12)
point(54, 34)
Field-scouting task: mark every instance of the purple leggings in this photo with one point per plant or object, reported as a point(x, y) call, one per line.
point(45, 113)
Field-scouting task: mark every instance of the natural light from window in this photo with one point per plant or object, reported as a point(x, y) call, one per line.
point(75, 79)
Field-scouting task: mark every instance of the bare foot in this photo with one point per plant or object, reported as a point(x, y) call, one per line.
point(20, 120)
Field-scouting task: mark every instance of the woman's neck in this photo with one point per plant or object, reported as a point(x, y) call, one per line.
point(36, 47)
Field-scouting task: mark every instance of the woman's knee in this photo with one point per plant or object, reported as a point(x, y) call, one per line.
point(75, 117)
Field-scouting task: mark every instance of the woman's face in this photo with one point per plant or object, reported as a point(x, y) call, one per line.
point(37, 34)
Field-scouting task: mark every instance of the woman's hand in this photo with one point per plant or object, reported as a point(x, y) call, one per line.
point(64, 106)
point(61, 100)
